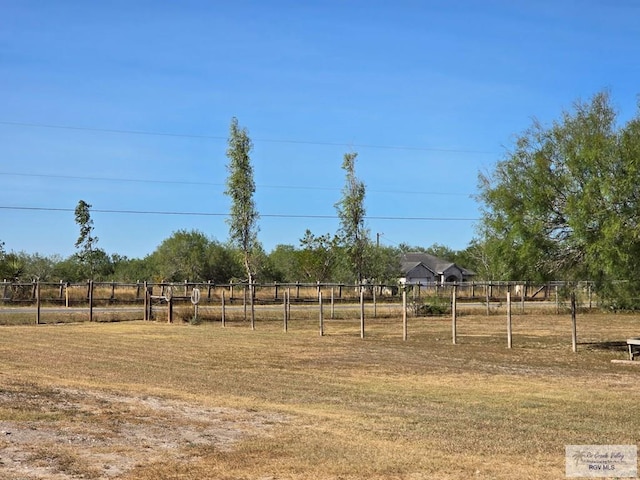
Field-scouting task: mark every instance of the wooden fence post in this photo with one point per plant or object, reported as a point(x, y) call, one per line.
point(488, 297)
point(38, 303)
point(321, 314)
point(170, 310)
point(404, 314)
point(252, 287)
point(150, 304)
point(375, 310)
point(285, 325)
point(90, 300)
point(454, 332)
point(361, 313)
point(244, 300)
point(223, 319)
point(333, 307)
point(509, 318)
point(145, 317)
point(574, 330)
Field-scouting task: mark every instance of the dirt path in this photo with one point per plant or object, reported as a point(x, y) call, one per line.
point(61, 434)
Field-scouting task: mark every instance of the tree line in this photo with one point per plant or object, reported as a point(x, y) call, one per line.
point(192, 255)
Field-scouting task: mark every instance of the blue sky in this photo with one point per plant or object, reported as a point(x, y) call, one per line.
point(127, 105)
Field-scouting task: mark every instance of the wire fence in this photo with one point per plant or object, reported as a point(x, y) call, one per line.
point(113, 301)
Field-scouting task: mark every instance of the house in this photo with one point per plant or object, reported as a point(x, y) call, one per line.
point(422, 268)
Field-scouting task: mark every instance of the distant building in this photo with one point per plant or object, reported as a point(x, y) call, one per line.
point(426, 269)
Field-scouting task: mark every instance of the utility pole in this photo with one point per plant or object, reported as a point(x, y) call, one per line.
point(378, 239)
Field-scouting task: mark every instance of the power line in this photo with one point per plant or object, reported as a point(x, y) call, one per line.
point(108, 179)
point(217, 137)
point(110, 130)
point(211, 214)
point(209, 184)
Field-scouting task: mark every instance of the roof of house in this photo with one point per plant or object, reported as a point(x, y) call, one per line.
point(406, 267)
point(436, 265)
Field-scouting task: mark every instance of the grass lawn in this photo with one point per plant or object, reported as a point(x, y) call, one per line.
point(133, 400)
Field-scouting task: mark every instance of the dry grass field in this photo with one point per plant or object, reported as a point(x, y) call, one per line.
point(151, 400)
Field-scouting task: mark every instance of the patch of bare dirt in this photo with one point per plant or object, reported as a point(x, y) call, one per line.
point(62, 434)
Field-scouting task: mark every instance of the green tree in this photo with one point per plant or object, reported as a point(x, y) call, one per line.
point(13, 267)
point(3, 254)
point(442, 251)
point(85, 244)
point(285, 263)
point(385, 266)
point(133, 269)
point(38, 266)
point(243, 218)
point(76, 268)
point(352, 233)
point(183, 256)
point(476, 258)
point(223, 262)
point(436, 249)
point(317, 257)
point(564, 203)
point(102, 265)
point(69, 270)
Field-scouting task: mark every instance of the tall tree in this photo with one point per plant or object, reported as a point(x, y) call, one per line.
point(351, 211)
point(243, 218)
point(2, 260)
point(564, 203)
point(86, 240)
